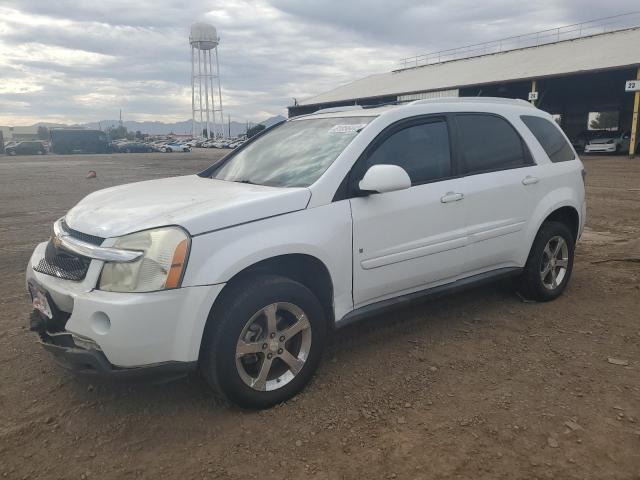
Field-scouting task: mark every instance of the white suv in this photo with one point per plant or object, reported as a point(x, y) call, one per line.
point(243, 269)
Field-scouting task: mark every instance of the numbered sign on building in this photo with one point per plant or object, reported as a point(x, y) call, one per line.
point(632, 86)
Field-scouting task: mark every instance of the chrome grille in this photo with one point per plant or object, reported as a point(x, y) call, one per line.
point(85, 237)
point(62, 264)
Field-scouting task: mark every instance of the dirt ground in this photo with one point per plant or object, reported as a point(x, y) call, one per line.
point(475, 385)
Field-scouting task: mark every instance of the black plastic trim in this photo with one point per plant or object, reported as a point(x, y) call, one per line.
point(429, 293)
point(94, 363)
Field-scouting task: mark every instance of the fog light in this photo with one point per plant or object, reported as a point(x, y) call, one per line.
point(100, 323)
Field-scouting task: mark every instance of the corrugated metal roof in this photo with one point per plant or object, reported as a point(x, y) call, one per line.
point(610, 50)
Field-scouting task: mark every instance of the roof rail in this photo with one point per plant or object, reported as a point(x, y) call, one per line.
point(338, 109)
point(505, 101)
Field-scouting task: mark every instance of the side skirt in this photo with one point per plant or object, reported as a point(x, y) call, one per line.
point(429, 293)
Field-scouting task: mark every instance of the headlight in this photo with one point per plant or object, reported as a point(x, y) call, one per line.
point(161, 266)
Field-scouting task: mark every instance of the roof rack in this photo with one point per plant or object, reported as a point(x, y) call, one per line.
point(339, 109)
point(505, 101)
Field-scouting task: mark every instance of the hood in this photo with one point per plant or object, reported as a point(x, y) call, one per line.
point(195, 203)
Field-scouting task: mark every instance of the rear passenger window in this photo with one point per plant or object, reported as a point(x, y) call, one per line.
point(550, 138)
point(422, 150)
point(488, 143)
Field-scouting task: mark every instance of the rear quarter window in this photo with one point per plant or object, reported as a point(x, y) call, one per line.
point(550, 138)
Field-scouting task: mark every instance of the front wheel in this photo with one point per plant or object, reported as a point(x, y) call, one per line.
point(550, 263)
point(263, 341)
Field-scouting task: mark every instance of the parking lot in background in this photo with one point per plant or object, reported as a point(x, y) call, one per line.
point(475, 385)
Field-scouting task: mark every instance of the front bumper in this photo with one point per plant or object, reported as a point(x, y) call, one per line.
point(93, 362)
point(129, 330)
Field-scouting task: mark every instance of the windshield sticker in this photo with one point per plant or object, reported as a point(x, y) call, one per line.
point(347, 128)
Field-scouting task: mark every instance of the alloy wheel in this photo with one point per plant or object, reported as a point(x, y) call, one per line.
point(555, 261)
point(273, 346)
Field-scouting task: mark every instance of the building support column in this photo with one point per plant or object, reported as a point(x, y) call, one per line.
point(534, 86)
point(634, 122)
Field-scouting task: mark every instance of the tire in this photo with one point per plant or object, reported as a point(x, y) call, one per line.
point(241, 314)
point(534, 283)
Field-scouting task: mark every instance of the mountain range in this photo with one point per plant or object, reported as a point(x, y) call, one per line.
point(160, 128)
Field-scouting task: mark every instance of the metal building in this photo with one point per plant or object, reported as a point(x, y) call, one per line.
point(207, 118)
point(578, 73)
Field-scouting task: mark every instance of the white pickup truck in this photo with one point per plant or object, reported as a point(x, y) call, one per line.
point(243, 269)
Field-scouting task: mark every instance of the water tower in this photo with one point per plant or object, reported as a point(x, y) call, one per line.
point(205, 80)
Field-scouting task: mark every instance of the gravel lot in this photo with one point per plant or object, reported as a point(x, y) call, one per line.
point(476, 385)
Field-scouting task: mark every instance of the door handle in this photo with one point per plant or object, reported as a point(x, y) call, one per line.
point(529, 180)
point(451, 197)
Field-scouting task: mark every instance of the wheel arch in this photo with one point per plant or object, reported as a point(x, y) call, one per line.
point(304, 268)
point(561, 205)
point(567, 215)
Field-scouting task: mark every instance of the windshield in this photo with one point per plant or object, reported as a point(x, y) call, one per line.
point(293, 154)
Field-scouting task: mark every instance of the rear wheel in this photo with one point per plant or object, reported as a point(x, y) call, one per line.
point(550, 263)
point(263, 342)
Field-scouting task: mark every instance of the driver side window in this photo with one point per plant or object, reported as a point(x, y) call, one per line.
point(422, 150)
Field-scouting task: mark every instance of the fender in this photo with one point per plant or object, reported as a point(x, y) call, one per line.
point(323, 232)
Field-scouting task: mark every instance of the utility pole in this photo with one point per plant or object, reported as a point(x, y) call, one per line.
point(633, 141)
point(229, 121)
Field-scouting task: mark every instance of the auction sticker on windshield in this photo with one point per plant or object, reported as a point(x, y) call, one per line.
point(355, 128)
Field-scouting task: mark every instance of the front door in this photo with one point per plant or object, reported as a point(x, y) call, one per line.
point(408, 240)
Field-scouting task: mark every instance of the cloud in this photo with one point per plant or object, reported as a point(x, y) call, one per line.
point(77, 61)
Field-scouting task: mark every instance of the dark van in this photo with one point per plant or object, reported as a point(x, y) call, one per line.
point(67, 140)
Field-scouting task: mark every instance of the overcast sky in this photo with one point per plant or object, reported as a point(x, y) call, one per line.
point(78, 60)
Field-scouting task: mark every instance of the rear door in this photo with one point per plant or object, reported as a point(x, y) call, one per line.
point(411, 239)
point(500, 187)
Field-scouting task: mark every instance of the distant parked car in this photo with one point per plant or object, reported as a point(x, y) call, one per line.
point(175, 147)
point(236, 144)
point(609, 142)
point(134, 147)
point(26, 148)
point(580, 141)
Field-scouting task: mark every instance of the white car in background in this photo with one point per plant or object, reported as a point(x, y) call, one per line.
point(242, 270)
point(175, 147)
point(609, 142)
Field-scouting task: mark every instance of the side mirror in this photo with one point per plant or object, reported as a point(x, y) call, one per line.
point(385, 178)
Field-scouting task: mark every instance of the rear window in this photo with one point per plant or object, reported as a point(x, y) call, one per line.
point(488, 143)
point(550, 138)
